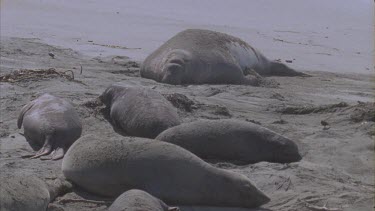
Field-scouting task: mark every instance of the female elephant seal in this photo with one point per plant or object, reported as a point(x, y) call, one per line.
point(197, 56)
point(164, 170)
point(22, 192)
point(138, 111)
point(232, 141)
point(51, 123)
point(138, 200)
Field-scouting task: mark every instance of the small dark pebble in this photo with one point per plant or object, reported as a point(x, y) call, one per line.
point(253, 121)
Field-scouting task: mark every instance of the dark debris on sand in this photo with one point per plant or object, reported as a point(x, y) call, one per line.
point(180, 101)
point(25, 74)
point(312, 109)
point(96, 107)
point(363, 112)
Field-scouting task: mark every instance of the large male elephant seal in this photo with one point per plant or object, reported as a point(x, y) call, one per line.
point(51, 123)
point(110, 167)
point(138, 200)
point(138, 111)
point(232, 141)
point(197, 56)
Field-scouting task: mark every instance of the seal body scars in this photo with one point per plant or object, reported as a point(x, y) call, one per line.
point(197, 56)
point(50, 124)
point(164, 170)
point(232, 141)
point(135, 200)
point(137, 111)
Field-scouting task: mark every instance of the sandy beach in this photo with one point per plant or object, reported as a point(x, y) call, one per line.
point(97, 44)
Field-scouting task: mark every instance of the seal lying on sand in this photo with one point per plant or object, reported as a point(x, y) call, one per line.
point(23, 192)
point(136, 200)
point(137, 111)
point(51, 123)
point(197, 56)
point(20, 191)
point(232, 141)
point(164, 170)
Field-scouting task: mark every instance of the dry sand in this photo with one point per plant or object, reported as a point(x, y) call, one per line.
point(337, 169)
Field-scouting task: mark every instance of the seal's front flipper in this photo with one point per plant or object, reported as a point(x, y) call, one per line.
point(59, 187)
point(252, 81)
point(252, 78)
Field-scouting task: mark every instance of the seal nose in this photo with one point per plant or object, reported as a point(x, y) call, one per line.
point(172, 74)
point(258, 197)
point(263, 199)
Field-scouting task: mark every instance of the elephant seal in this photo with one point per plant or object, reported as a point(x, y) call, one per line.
point(232, 141)
point(22, 192)
point(164, 170)
point(138, 200)
point(51, 124)
point(138, 111)
point(197, 56)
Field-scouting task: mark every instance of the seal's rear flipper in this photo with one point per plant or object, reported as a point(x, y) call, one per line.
point(22, 113)
point(46, 148)
point(280, 69)
point(58, 153)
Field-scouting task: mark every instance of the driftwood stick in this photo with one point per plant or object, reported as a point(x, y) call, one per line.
point(64, 201)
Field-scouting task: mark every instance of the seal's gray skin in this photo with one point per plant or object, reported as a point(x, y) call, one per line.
point(176, 176)
point(232, 141)
point(137, 111)
point(197, 56)
point(138, 200)
point(51, 123)
point(20, 192)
